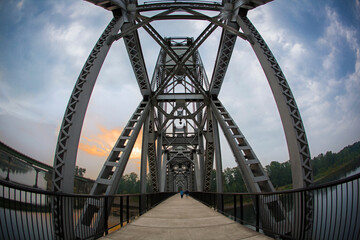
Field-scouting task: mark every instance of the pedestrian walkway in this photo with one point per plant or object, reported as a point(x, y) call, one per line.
point(185, 219)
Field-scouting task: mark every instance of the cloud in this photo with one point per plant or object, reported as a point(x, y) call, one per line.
point(326, 93)
point(102, 143)
point(45, 51)
point(335, 36)
point(330, 95)
point(20, 4)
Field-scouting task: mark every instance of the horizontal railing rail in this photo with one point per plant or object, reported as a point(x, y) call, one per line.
point(336, 210)
point(27, 213)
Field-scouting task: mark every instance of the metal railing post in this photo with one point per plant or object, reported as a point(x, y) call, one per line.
point(257, 212)
point(106, 215)
point(121, 211)
point(127, 209)
point(140, 204)
point(235, 210)
point(241, 209)
point(222, 202)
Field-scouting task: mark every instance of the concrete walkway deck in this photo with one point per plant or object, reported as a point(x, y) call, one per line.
point(185, 219)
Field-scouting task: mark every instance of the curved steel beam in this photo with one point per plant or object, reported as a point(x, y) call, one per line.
point(69, 135)
point(290, 116)
point(302, 175)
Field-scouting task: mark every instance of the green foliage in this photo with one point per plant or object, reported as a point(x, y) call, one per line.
point(80, 171)
point(279, 173)
point(233, 181)
point(350, 155)
point(129, 183)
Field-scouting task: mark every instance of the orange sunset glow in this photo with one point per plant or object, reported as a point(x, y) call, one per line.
point(101, 144)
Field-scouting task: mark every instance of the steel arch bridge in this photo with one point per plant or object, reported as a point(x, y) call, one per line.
point(180, 112)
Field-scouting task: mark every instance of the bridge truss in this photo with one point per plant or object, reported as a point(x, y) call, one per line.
point(180, 112)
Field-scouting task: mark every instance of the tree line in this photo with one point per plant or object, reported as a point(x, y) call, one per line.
point(324, 165)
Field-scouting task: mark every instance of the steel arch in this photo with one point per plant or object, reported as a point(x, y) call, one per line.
point(231, 16)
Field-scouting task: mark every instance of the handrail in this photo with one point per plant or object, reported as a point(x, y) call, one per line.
point(311, 188)
point(26, 208)
point(335, 210)
point(26, 211)
point(41, 191)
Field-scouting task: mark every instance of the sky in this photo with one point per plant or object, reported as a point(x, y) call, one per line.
point(44, 45)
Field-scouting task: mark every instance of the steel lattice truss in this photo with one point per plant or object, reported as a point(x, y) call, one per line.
point(180, 111)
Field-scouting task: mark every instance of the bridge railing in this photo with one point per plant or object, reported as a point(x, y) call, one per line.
point(27, 213)
point(336, 210)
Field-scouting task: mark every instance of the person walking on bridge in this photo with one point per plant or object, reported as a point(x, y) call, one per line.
point(181, 193)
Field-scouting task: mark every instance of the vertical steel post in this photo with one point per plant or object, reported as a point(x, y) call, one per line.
point(143, 166)
point(218, 161)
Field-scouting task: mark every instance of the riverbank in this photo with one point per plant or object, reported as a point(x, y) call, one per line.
point(330, 175)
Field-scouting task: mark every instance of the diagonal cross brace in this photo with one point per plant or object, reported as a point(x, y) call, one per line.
point(133, 48)
point(108, 180)
point(224, 54)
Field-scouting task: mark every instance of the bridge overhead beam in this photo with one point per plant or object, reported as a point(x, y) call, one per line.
point(172, 97)
point(180, 141)
point(109, 5)
point(181, 63)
